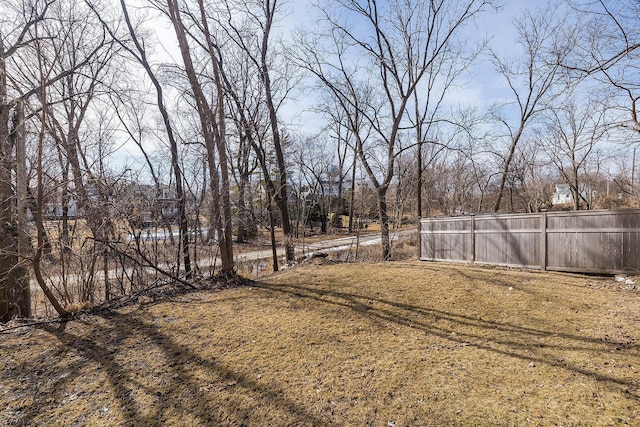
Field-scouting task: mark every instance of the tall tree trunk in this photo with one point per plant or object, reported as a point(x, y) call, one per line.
point(241, 236)
point(227, 226)
point(22, 185)
point(213, 132)
point(10, 291)
point(281, 190)
point(37, 258)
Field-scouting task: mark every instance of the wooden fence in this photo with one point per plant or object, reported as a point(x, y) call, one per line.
point(584, 241)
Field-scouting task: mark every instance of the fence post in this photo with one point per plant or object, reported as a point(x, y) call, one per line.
point(473, 238)
point(543, 240)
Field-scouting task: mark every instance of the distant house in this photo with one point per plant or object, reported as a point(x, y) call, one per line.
point(326, 188)
point(563, 194)
point(152, 206)
point(55, 209)
point(147, 203)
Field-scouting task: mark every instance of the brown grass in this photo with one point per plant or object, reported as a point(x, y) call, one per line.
point(384, 344)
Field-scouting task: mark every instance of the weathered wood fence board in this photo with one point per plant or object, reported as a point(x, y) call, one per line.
point(586, 241)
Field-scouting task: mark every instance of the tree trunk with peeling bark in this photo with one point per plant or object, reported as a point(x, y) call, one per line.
point(9, 285)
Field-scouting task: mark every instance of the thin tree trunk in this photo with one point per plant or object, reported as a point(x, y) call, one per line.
point(352, 196)
point(384, 223)
point(272, 232)
point(39, 217)
point(227, 226)
point(506, 168)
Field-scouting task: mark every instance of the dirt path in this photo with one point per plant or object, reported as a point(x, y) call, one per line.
point(329, 245)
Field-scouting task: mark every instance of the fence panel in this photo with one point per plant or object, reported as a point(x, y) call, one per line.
point(594, 241)
point(512, 240)
point(447, 239)
point(585, 241)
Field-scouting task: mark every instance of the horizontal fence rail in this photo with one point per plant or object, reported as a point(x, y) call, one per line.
point(583, 241)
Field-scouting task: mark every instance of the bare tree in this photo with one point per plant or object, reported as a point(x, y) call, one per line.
point(13, 297)
point(318, 172)
point(244, 105)
point(346, 127)
point(250, 25)
point(608, 49)
point(570, 138)
point(213, 120)
point(247, 115)
point(252, 125)
point(68, 106)
point(44, 73)
point(136, 46)
point(346, 155)
point(426, 113)
point(545, 40)
point(17, 38)
point(398, 42)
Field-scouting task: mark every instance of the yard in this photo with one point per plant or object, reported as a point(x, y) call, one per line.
point(380, 344)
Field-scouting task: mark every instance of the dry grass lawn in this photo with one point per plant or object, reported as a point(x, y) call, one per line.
point(386, 344)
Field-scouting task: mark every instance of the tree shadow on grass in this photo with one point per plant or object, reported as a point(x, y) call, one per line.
point(503, 338)
point(180, 393)
point(183, 390)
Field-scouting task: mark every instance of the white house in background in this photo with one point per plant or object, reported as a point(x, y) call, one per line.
point(562, 195)
point(55, 208)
